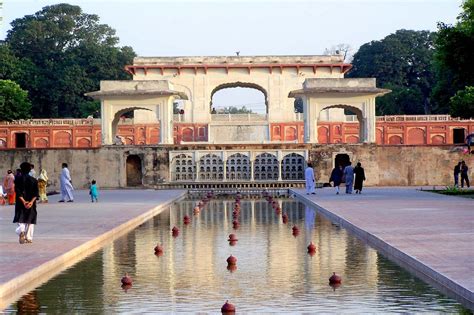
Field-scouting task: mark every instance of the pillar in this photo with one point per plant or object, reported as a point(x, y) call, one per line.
point(106, 123)
point(279, 165)
point(369, 116)
point(251, 169)
point(310, 112)
point(224, 160)
point(166, 120)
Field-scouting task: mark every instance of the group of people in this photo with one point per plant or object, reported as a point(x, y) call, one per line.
point(25, 189)
point(9, 184)
point(338, 175)
point(461, 169)
point(346, 175)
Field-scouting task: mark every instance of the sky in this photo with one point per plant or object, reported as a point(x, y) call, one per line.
point(258, 27)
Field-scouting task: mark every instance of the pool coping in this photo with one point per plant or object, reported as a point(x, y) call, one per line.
point(440, 281)
point(24, 283)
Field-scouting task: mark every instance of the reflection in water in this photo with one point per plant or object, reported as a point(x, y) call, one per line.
point(28, 304)
point(274, 272)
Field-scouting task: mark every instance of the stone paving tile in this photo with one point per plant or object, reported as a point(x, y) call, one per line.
point(64, 226)
point(435, 229)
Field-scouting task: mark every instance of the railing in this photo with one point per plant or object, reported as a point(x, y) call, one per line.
point(238, 117)
point(299, 117)
point(53, 122)
point(418, 118)
point(178, 117)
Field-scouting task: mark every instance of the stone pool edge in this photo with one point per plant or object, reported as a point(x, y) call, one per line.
point(413, 265)
point(16, 287)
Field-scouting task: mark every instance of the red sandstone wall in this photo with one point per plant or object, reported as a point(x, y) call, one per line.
point(87, 135)
point(398, 133)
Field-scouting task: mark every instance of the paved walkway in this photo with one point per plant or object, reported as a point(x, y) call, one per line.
point(67, 232)
point(430, 234)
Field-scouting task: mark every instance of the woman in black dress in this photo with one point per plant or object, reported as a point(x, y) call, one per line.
point(26, 188)
point(359, 178)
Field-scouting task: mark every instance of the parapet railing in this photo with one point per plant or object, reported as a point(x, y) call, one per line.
point(54, 122)
point(239, 117)
point(419, 118)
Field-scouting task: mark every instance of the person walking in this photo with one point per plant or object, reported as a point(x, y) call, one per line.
point(42, 183)
point(469, 142)
point(336, 177)
point(310, 180)
point(359, 178)
point(464, 175)
point(26, 188)
point(348, 176)
point(457, 170)
point(93, 191)
point(66, 185)
point(9, 186)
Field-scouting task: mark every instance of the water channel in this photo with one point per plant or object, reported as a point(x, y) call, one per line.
point(274, 271)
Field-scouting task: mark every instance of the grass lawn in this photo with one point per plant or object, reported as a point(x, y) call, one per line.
point(452, 191)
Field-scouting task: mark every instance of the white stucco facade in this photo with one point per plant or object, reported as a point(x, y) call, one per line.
point(317, 80)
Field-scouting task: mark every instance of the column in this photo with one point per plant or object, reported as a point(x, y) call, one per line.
point(310, 120)
point(166, 120)
point(197, 170)
point(251, 169)
point(370, 120)
point(279, 156)
point(106, 123)
point(224, 159)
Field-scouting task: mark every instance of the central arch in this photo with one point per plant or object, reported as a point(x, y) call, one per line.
point(239, 84)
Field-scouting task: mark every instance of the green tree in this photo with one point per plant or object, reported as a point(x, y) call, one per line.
point(453, 57)
point(402, 62)
point(462, 104)
point(235, 110)
point(14, 103)
point(65, 53)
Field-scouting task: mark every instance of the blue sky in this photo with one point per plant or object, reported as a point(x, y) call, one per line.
point(176, 28)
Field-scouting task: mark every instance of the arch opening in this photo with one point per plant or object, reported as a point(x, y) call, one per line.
point(351, 119)
point(239, 98)
point(126, 116)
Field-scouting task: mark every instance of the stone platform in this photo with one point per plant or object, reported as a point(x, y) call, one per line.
point(429, 234)
point(68, 232)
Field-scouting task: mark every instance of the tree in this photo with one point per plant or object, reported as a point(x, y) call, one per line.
point(340, 49)
point(462, 104)
point(65, 53)
point(235, 110)
point(402, 62)
point(14, 103)
point(453, 57)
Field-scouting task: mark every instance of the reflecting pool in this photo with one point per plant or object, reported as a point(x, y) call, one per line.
point(274, 271)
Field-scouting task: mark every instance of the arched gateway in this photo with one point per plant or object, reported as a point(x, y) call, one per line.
point(317, 80)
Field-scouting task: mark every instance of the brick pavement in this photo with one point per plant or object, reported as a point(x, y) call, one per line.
point(68, 232)
point(431, 235)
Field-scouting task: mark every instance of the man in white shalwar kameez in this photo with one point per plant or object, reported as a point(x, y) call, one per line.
point(66, 185)
point(310, 180)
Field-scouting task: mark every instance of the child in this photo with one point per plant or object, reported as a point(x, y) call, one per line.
point(93, 191)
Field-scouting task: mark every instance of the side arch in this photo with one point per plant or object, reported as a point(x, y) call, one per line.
point(356, 110)
point(117, 114)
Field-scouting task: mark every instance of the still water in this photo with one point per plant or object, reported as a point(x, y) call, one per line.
point(274, 272)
